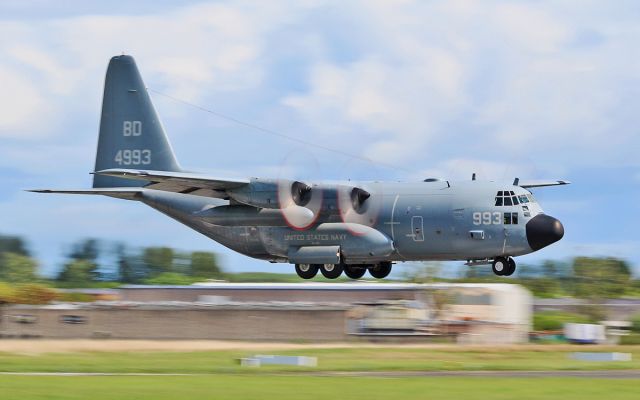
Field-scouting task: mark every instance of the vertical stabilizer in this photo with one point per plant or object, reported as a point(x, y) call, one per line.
point(131, 134)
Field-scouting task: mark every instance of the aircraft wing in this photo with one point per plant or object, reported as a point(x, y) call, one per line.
point(541, 183)
point(179, 182)
point(127, 193)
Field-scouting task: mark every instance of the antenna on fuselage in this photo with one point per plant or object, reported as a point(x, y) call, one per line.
point(473, 176)
point(516, 182)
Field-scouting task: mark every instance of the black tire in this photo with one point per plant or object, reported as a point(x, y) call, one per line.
point(511, 267)
point(380, 271)
point(500, 266)
point(355, 271)
point(306, 271)
point(331, 271)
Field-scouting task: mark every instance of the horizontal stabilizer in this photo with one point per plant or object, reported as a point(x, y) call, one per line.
point(127, 193)
point(542, 183)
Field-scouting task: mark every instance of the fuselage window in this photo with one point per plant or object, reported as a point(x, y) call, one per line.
point(511, 218)
point(507, 218)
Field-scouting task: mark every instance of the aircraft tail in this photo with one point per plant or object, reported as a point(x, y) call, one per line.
point(131, 134)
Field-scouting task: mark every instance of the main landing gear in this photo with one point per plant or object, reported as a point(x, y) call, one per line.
point(503, 266)
point(353, 271)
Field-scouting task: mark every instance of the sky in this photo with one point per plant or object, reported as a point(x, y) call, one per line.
point(409, 89)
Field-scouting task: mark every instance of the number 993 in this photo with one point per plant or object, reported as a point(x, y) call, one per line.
point(487, 218)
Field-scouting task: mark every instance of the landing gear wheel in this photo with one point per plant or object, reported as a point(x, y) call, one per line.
point(355, 271)
point(511, 267)
point(306, 271)
point(381, 270)
point(500, 266)
point(331, 271)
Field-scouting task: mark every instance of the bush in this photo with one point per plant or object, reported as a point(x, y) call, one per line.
point(635, 323)
point(32, 293)
point(6, 293)
point(75, 297)
point(171, 278)
point(555, 320)
point(634, 338)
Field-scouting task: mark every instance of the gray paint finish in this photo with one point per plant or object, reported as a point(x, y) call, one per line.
point(271, 219)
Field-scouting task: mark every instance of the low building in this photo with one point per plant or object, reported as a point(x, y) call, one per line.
point(470, 313)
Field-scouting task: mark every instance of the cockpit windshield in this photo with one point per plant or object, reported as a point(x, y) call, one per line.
point(509, 198)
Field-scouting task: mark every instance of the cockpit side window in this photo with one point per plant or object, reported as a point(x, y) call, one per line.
point(507, 201)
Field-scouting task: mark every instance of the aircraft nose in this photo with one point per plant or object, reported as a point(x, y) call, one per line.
point(542, 230)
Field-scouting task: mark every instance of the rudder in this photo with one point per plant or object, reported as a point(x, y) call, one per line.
point(131, 134)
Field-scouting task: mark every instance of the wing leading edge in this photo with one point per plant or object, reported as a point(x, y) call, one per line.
point(179, 182)
point(127, 193)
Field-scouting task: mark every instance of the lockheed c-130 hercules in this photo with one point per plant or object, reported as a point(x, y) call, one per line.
point(331, 227)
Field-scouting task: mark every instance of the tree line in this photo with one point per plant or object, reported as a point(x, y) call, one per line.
point(581, 277)
point(95, 263)
point(91, 262)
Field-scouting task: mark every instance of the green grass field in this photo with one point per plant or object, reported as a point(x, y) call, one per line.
point(222, 378)
point(306, 387)
point(332, 359)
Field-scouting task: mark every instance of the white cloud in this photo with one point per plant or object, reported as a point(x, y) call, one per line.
point(516, 77)
point(184, 51)
point(463, 168)
point(22, 105)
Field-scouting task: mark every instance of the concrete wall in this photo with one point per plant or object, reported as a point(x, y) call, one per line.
point(210, 323)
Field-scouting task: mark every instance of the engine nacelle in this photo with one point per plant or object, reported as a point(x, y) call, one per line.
point(258, 193)
point(275, 194)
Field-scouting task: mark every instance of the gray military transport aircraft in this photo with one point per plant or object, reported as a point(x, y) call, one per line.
point(331, 227)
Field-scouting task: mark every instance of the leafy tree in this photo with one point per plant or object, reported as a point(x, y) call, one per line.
point(13, 244)
point(86, 249)
point(127, 271)
point(16, 267)
point(82, 267)
point(158, 260)
point(542, 287)
point(601, 277)
point(78, 272)
point(204, 265)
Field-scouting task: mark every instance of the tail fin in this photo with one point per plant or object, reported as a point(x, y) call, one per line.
point(131, 134)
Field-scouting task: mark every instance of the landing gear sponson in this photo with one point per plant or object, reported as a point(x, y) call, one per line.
point(353, 271)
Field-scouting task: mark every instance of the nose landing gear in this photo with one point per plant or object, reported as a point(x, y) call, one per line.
point(503, 266)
